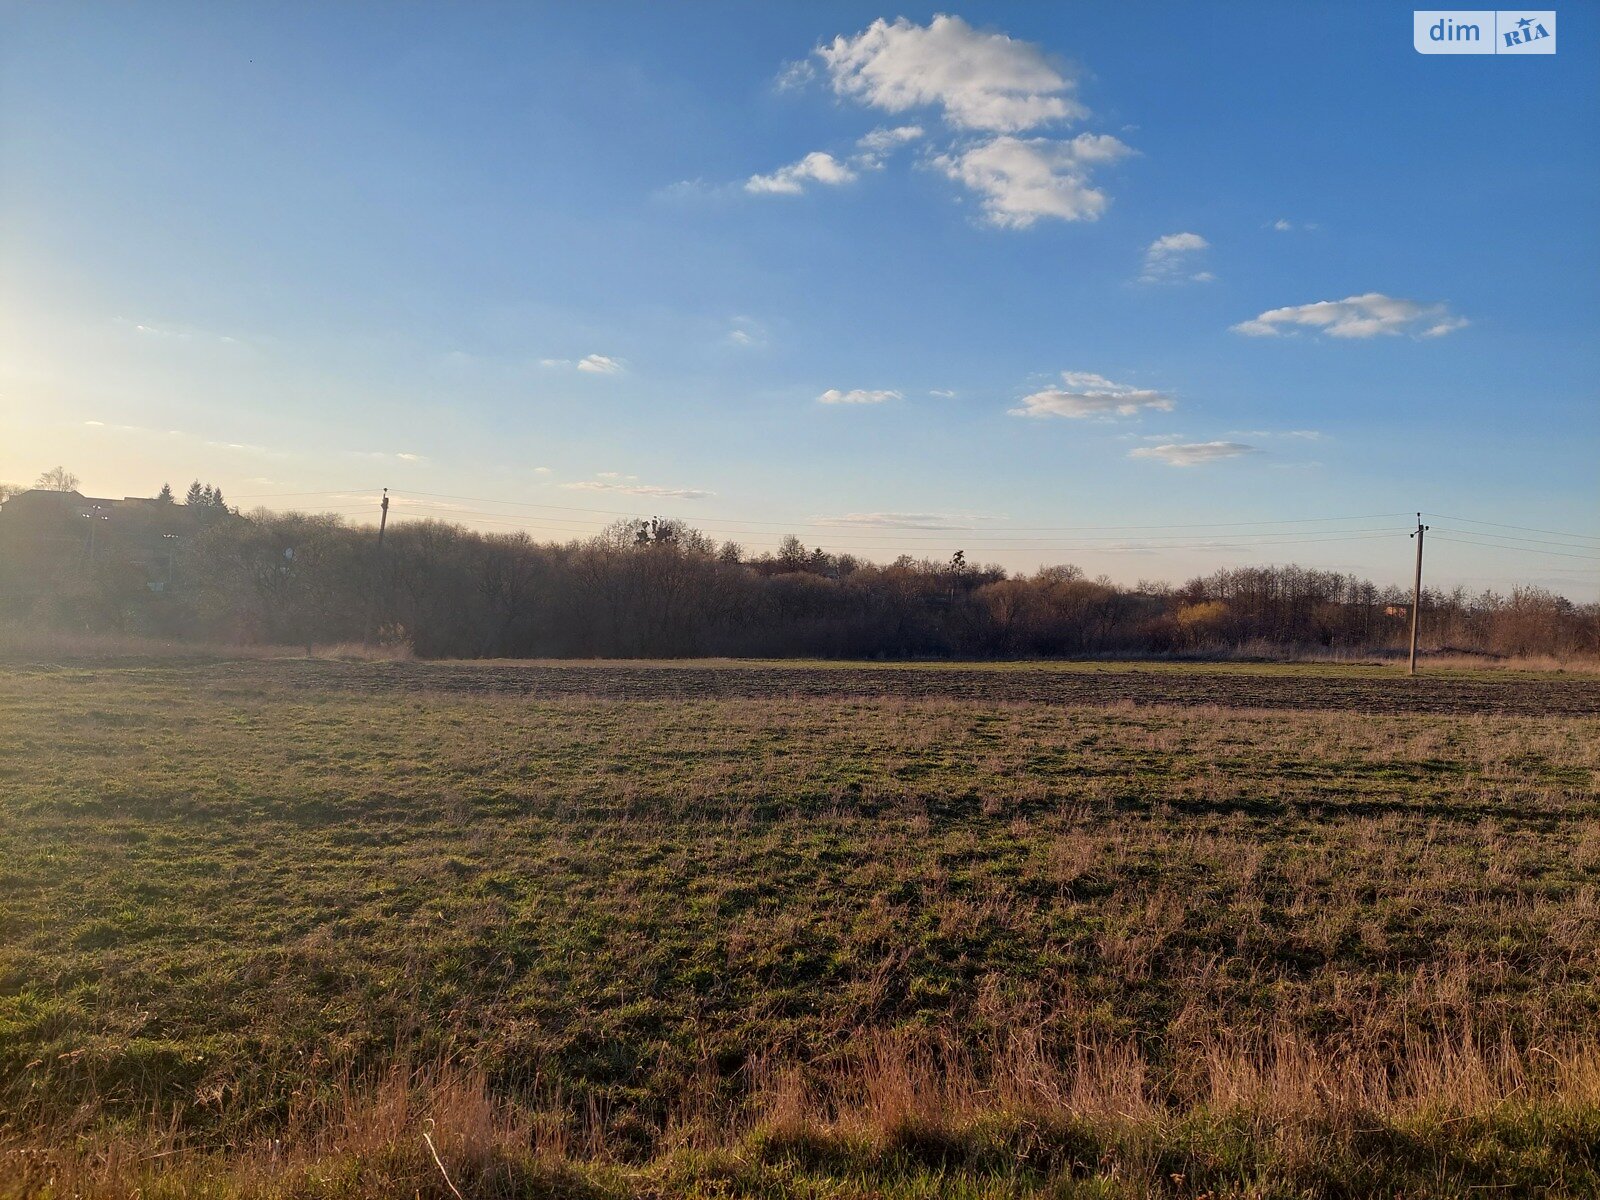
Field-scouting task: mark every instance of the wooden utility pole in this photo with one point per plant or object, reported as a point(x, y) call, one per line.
point(1416, 596)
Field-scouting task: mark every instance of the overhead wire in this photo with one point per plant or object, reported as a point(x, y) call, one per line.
point(1521, 541)
point(1269, 532)
point(828, 523)
point(1524, 528)
point(1520, 549)
point(919, 534)
point(963, 534)
point(1040, 547)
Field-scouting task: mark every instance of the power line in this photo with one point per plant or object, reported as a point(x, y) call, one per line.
point(1510, 542)
point(1523, 541)
point(324, 492)
point(832, 524)
point(965, 535)
point(1044, 547)
point(1525, 528)
point(825, 523)
point(1520, 549)
point(942, 535)
point(977, 537)
point(1261, 533)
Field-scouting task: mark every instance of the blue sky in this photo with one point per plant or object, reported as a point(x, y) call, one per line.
point(1069, 303)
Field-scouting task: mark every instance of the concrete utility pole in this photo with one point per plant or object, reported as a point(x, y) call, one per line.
point(377, 582)
point(1416, 596)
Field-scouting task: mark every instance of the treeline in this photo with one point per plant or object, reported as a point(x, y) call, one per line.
point(663, 589)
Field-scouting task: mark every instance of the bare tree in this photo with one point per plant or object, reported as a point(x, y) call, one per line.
point(57, 479)
point(662, 588)
point(792, 553)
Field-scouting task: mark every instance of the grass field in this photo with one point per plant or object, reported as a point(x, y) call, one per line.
point(319, 929)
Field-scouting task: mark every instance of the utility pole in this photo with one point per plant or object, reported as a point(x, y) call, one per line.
point(169, 540)
point(377, 581)
point(1416, 596)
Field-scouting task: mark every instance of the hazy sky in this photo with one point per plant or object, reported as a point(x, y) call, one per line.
point(1062, 282)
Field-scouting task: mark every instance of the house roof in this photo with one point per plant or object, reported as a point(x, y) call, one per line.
point(44, 499)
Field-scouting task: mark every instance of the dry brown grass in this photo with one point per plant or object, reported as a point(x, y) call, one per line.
point(1462, 661)
point(915, 1099)
point(792, 945)
point(24, 644)
point(891, 1084)
point(365, 652)
point(20, 643)
point(402, 1131)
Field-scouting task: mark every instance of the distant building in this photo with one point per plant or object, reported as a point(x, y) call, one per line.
point(38, 506)
point(42, 530)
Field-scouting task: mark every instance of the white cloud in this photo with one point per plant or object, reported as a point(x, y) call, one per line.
point(816, 167)
point(856, 396)
point(1177, 243)
point(1022, 180)
point(942, 393)
point(1303, 435)
point(882, 140)
point(1189, 454)
point(1283, 226)
point(823, 168)
point(541, 470)
point(903, 520)
point(197, 438)
point(1361, 316)
point(747, 331)
point(1151, 437)
point(1088, 395)
point(687, 190)
point(979, 80)
point(1168, 259)
point(594, 364)
point(377, 455)
point(176, 332)
point(610, 481)
point(986, 87)
point(874, 147)
point(795, 75)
